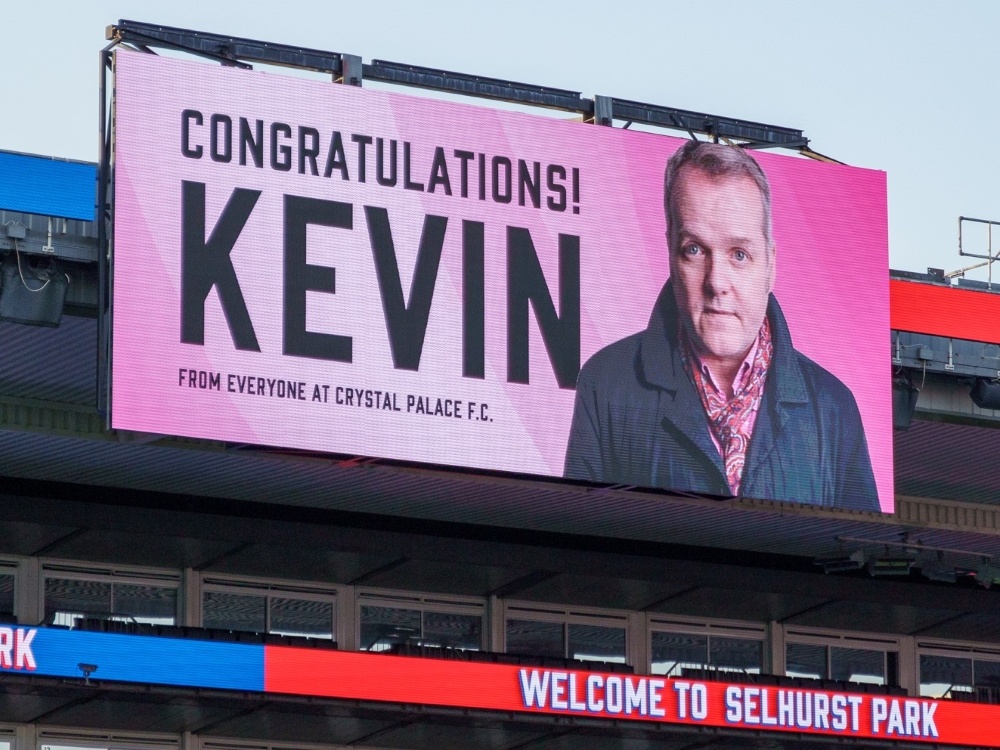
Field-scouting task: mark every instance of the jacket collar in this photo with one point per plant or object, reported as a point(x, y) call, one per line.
point(661, 363)
point(662, 367)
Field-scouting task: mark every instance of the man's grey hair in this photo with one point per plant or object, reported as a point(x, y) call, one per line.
point(717, 161)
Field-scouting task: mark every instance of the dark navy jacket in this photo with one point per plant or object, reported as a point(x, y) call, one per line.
point(639, 420)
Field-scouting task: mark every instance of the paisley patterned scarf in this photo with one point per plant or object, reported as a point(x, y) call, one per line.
point(732, 421)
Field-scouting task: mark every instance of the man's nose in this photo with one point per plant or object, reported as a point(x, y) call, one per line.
point(716, 279)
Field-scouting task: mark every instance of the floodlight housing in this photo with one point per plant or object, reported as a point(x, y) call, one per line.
point(889, 565)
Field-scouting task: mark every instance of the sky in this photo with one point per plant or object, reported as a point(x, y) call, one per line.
point(882, 84)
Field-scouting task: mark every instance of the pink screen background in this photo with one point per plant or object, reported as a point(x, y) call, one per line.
point(830, 228)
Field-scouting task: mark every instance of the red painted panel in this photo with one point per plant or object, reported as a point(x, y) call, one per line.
point(944, 311)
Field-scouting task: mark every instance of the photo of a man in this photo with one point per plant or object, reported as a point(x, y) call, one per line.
point(712, 396)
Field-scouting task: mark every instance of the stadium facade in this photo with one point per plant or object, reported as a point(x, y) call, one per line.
point(171, 590)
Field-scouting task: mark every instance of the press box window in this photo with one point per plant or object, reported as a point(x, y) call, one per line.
point(843, 664)
point(382, 627)
point(258, 744)
point(941, 676)
point(6, 597)
point(586, 642)
point(83, 740)
point(673, 653)
point(69, 598)
point(281, 613)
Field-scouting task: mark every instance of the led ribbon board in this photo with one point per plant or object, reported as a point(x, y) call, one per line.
point(493, 687)
point(328, 268)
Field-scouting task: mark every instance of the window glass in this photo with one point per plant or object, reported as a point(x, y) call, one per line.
point(381, 627)
point(857, 665)
point(67, 598)
point(673, 652)
point(6, 598)
point(535, 638)
point(301, 617)
point(453, 630)
point(738, 654)
point(155, 605)
point(596, 643)
point(940, 675)
point(987, 673)
point(805, 660)
point(233, 611)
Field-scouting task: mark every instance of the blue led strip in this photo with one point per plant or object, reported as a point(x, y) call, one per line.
point(50, 187)
point(130, 658)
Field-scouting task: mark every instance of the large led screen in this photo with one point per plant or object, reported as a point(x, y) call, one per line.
point(323, 267)
point(457, 683)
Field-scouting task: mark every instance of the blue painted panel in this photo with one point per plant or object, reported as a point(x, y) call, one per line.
point(131, 658)
point(39, 185)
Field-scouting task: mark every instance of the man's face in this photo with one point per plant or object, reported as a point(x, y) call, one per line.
point(721, 263)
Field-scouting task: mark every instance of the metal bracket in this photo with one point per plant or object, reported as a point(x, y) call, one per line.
point(352, 71)
point(47, 247)
point(604, 110)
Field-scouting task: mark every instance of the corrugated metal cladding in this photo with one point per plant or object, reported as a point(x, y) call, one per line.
point(948, 461)
point(51, 187)
point(50, 364)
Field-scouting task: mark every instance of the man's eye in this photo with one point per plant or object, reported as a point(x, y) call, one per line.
point(740, 255)
point(692, 249)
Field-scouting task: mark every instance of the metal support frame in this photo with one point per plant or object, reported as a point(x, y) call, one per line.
point(756, 135)
point(103, 215)
point(988, 260)
point(345, 68)
point(481, 86)
point(905, 543)
point(228, 50)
